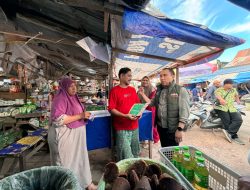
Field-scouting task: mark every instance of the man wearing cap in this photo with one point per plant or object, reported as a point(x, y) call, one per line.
point(226, 110)
point(211, 91)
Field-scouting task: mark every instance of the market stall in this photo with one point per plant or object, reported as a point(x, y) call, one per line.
point(99, 130)
point(47, 33)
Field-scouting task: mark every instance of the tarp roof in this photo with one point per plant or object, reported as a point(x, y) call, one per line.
point(242, 58)
point(222, 74)
point(187, 74)
point(147, 44)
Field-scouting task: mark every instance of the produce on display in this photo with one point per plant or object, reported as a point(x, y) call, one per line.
point(140, 175)
point(9, 137)
point(111, 172)
point(29, 140)
point(27, 108)
point(94, 107)
point(121, 184)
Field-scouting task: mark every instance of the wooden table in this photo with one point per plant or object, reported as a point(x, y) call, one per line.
point(22, 150)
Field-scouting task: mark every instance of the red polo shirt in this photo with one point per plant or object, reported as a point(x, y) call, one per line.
point(122, 99)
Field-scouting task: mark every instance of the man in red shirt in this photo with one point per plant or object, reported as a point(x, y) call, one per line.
point(121, 100)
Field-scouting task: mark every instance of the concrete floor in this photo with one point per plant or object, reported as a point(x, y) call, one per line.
point(213, 144)
point(216, 146)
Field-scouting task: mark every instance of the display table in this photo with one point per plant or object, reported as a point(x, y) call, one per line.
point(23, 119)
point(99, 130)
point(22, 150)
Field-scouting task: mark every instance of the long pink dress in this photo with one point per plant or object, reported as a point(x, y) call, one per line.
point(154, 128)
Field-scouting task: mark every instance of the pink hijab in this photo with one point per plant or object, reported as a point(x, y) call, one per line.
point(63, 103)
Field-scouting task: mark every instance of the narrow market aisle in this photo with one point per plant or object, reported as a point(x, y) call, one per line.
point(213, 144)
point(216, 146)
point(98, 159)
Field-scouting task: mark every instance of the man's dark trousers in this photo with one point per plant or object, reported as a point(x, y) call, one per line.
point(231, 120)
point(166, 138)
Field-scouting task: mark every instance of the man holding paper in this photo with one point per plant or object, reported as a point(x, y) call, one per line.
point(172, 108)
point(121, 99)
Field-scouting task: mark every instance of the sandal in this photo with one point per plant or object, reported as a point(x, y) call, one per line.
point(92, 186)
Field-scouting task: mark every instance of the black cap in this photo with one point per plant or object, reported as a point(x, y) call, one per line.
point(228, 81)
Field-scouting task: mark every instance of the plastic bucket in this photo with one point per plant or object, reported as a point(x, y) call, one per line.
point(49, 177)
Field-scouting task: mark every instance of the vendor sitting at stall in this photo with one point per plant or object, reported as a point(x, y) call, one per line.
point(121, 100)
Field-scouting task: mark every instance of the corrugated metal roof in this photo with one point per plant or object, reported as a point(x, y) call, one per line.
point(57, 27)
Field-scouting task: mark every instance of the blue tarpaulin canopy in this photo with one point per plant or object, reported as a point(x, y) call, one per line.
point(242, 77)
point(146, 44)
point(238, 74)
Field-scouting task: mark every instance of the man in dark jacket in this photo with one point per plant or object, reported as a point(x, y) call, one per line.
point(172, 108)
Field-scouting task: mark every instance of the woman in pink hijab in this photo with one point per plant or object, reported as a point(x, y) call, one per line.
point(67, 133)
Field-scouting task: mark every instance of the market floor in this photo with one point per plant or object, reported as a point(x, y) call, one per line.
point(98, 159)
point(216, 146)
point(213, 144)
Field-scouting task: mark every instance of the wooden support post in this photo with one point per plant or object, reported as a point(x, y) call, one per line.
point(1, 163)
point(7, 164)
point(106, 21)
point(11, 170)
point(106, 94)
point(35, 150)
point(150, 149)
point(111, 70)
point(177, 75)
point(111, 67)
point(22, 164)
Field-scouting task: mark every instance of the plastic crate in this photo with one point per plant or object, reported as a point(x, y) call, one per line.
point(220, 177)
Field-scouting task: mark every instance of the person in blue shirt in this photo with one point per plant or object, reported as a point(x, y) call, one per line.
point(197, 93)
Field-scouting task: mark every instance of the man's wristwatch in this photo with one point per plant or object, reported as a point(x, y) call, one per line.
point(179, 129)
